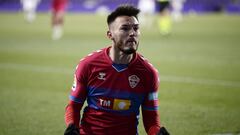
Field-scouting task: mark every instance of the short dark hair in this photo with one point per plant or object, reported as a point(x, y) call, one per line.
point(123, 10)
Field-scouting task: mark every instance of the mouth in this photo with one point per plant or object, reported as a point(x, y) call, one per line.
point(131, 40)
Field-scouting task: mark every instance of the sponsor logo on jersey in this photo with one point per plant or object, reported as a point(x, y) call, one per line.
point(121, 104)
point(114, 104)
point(133, 81)
point(106, 102)
point(101, 76)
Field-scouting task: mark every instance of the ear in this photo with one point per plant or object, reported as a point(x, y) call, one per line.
point(109, 35)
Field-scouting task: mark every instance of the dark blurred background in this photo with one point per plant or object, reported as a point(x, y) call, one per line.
point(198, 6)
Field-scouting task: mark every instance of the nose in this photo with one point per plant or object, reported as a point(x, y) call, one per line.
point(132, 32)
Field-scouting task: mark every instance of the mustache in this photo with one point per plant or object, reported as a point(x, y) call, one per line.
point(132, 40)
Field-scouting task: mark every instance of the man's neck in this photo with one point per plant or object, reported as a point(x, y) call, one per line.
point(119, 57)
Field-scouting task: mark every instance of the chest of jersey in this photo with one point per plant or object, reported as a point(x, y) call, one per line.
point(116, 90)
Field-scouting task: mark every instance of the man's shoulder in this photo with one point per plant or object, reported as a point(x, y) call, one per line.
point(145, 63)
point(92, 59)
point(94, 56)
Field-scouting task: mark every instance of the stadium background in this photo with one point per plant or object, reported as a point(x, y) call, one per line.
point(200, 6)
point(198, 63)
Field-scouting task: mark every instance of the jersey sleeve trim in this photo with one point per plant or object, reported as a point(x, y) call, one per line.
point(155, 108)
point(75, 99)
point(153, 96)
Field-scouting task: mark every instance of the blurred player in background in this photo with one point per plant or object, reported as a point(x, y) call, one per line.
point(115, 81)
point(164, 17)
point(177, 6)
point(58, 11)
point(29, 9)
point(147, 8)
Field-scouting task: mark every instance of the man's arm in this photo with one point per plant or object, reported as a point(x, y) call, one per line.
point(72, 118)
point(151, 121)
point(151, 118)
point(72, 113)
point(77, 97)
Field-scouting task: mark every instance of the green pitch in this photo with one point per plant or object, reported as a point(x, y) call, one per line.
point(199, 64)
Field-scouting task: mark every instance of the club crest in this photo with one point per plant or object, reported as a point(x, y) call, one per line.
point(133, 81)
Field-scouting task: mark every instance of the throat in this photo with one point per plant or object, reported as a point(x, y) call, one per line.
point(119, 57)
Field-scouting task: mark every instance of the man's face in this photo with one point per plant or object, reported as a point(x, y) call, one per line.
point(124, 32)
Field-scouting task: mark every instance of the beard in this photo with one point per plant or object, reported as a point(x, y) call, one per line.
point(127, 50)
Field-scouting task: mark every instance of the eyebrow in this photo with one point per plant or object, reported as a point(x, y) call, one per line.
point(126, 25)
